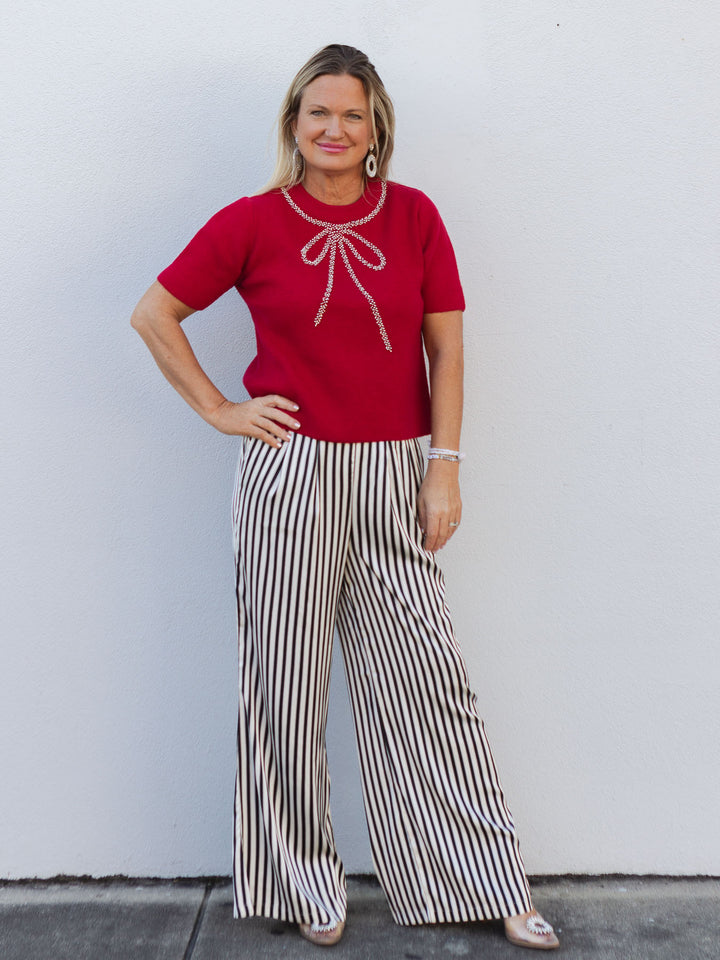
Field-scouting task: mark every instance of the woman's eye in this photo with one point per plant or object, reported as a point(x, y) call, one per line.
point(316, 113)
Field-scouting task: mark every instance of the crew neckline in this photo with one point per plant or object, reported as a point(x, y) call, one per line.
point(337, 212)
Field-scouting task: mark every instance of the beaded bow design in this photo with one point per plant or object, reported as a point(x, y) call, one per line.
point(337, 236)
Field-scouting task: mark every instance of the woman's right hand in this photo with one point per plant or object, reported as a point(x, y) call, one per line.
point(262, 417)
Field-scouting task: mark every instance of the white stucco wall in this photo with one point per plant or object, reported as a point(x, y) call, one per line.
point(572, 149)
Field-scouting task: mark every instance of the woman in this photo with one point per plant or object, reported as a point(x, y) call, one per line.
point(336, 521)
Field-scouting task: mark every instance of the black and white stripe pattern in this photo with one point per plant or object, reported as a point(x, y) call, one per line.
point(326, 534)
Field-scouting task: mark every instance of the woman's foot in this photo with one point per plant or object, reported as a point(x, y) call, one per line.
point(323, 934)
point(530, 930)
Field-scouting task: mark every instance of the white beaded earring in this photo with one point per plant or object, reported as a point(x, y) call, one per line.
point(371, 162)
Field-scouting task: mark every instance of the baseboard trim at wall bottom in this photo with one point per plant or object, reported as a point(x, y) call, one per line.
point(358, 878)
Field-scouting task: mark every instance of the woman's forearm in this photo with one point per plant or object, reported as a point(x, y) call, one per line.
point(157, 318)
point(446, 399)
point(446, 403)
point(443, 343)
point(439, 502)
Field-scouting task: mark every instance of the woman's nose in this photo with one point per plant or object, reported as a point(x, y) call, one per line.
point(333, 128)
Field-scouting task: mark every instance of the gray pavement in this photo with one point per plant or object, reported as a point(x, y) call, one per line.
point(595, 918)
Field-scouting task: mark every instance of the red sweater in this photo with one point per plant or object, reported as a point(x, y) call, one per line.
point(358, 374)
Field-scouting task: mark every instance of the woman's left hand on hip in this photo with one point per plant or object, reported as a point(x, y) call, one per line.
point(439, 504)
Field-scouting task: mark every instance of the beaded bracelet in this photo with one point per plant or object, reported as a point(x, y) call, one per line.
point(438, 453)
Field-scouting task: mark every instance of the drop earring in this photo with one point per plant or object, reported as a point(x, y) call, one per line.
point(297, 159)
point(371, 162)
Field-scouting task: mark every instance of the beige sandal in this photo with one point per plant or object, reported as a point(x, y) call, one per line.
point(530, 930)
point(323, 934)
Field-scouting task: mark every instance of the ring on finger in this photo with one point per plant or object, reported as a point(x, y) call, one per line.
point(451, 524)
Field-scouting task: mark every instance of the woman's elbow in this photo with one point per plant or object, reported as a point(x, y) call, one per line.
point(158, 310)
point(446, 354)
point(149, 308)
point(138, 320)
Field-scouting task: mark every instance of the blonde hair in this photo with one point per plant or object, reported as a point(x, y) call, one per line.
point(335, 60)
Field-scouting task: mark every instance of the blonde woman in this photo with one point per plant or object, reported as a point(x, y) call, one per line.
point(350, 278)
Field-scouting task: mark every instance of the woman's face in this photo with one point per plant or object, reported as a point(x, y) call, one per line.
point(333, 125)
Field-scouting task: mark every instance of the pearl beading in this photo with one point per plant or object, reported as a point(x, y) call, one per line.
point(537, 925)
point(336, 237)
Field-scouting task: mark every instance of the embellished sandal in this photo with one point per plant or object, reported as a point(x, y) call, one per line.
point(530, 930)
point(323, 934)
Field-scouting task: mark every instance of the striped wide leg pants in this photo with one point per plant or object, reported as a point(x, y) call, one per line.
point(326, 535)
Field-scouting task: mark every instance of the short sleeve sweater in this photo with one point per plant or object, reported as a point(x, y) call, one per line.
point(337, 304)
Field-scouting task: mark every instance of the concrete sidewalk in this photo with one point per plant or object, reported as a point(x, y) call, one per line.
point(596, 919)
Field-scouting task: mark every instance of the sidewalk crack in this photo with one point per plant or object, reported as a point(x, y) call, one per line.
point(198, 921)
